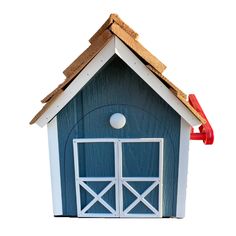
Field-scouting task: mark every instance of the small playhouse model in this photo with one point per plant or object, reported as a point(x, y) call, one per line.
point(119, 132)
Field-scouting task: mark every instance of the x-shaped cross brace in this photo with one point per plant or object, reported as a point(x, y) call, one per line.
point(97, 197)
point(140, 197)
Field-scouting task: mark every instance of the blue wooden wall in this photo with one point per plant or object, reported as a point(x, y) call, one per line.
point(116, 88)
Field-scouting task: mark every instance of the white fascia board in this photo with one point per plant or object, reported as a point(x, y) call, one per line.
point(78, 83)
point(55, 167)
point(185, 129)
point(135, 64)
point(116, 46)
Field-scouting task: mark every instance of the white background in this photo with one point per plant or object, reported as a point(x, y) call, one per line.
point(39, 39)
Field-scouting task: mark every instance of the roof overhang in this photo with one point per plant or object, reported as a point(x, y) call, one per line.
point(115, 46)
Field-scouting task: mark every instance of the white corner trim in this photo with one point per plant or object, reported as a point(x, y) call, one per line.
point(183, 167)
point(78, 83)
point(55, 166)
point(134, 63)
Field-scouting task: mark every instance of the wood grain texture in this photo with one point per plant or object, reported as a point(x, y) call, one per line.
point(187, 104)
point(94, 49)
point(88, 54)
point(113, 18)
point(117, 88)
point(58, 91)
point(81, 62)
point(139, 67)
point(105, 26)
point(137, 47)
point(167, 82)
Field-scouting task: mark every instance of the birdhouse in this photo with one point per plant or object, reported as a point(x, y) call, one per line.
point(119, 132)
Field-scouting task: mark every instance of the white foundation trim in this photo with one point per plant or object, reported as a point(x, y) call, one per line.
point(55, 166)
point(185, 129)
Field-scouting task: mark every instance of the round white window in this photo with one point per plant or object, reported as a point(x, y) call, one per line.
point(117, 120)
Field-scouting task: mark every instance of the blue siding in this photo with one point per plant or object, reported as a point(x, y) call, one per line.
point(116, 88)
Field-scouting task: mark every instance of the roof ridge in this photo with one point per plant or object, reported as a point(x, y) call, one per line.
point(114, 26)
point(113, 18)
point(137, 47)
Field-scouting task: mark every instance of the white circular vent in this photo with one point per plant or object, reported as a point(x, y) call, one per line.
point(117, 120)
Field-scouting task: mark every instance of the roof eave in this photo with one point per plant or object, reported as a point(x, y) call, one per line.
point(114, 46)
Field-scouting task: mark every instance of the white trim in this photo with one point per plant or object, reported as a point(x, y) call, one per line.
point(97, 197)
point(119, 181)
point(117, 176)
point(140, 140)
point(97, 215)
point(161, 154)
point(183, 167)
point(80, 181)
point(134, 63)
point(133, 215)
point(116, 46)
point(94, 179)
point(76, 168)
point(78, 83)
point(55, 166)
point(141, 197)
point(137, 179)
point(94, 140)
point(122, 140)
point(120, 170)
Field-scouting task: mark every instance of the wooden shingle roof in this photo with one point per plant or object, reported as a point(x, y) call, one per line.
point(114, 26)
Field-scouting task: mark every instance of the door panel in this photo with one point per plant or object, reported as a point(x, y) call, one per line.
point(140, 177)
point(140, 159)
point(96, 159)
point(118, 177)
point(96, 178)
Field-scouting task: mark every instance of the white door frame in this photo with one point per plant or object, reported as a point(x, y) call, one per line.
point(79, 181)
point(119, 181)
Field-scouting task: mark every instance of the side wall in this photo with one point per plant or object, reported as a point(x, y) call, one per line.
point(116, 88)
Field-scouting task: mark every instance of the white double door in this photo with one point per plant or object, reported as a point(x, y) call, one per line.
point(118, 177)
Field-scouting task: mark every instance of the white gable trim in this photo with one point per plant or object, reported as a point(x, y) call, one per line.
point(116, 46)
point(183, 167)
point(55, 167)
point(133, 62)
point(78, 83)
